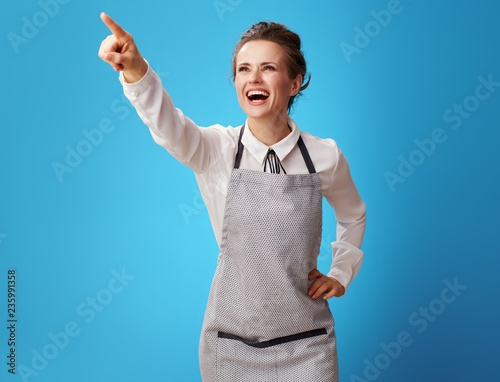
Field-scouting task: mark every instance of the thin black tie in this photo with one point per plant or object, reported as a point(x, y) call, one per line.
point(274, 162)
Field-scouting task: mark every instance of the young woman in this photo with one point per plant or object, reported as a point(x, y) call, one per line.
point(263, 184)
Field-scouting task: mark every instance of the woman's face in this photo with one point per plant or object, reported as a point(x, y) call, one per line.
point(261, 80)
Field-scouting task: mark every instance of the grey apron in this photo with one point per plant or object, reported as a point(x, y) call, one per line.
point(260, 324)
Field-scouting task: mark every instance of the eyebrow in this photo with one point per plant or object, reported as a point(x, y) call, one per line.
point(262, 63)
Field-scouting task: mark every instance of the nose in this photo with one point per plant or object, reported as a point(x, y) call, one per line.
point(255, 77)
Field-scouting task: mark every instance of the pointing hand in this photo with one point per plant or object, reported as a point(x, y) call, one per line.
point(119, 50)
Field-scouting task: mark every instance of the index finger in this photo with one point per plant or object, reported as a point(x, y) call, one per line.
point(314, 274)
point(113, 26)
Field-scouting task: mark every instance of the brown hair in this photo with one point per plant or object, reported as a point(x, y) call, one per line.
point(289, 42)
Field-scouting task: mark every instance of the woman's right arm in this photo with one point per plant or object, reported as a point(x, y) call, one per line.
point(189, 144)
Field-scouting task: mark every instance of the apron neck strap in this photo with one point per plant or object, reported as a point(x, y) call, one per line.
point(300, 142)
point(305, 155)
point(237, 160)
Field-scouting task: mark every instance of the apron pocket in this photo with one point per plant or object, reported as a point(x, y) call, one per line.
point(239, 359)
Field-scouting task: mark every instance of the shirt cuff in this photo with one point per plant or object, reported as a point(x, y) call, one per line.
point(341, 276)
point(141, 85)
point(347, 259)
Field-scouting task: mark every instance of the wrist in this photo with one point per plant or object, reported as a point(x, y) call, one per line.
point(134, 75)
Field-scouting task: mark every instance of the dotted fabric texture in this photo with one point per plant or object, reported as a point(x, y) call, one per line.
point(270, 242)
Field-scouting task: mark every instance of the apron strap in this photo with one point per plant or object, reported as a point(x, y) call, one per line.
point(305, 155)
point(237, 160)
point(300, 142)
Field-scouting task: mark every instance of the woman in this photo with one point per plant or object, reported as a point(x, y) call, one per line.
point(263, 185)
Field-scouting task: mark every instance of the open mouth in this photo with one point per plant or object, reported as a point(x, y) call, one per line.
point(257, 96)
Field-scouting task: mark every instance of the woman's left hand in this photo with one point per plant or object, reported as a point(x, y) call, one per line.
point(324, 285)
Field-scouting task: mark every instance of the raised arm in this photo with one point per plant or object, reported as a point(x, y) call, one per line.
point(119, 50)
point(193, 146)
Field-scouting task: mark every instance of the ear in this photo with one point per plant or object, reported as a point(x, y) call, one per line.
point(296, 84)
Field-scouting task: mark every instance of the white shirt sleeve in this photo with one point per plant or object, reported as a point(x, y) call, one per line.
point(350, 213)
point(190, 144)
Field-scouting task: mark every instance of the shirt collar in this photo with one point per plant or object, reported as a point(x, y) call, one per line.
point(282, 148)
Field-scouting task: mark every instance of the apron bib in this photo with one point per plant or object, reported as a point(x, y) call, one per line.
point(260, 324)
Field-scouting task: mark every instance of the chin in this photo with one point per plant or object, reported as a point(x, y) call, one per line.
point(259, 112)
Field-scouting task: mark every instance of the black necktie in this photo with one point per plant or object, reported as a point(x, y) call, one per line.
point(275, 165)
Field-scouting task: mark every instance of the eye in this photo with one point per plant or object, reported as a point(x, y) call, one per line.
point(269, 67)
point(242, 69)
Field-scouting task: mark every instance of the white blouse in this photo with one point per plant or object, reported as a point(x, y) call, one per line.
point(210, 152)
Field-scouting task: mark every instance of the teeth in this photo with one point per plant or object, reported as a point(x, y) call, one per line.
point(257, 92)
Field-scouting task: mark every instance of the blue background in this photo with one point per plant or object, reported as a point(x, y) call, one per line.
point(120, 208)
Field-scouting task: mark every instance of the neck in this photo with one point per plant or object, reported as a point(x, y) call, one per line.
point(269, 131)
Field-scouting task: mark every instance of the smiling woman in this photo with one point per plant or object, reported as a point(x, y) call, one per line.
point(264, 319)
